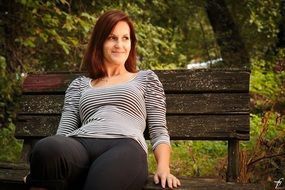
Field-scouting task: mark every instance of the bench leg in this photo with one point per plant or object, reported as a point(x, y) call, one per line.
point(233, 161)
point(26, 150)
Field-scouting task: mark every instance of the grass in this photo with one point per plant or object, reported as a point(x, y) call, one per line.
point(195, 158)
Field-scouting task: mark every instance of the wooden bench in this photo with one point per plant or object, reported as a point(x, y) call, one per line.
point(205, 104)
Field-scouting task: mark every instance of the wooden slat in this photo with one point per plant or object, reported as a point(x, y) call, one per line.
point(175, 80)
point(207, 103)
point(201, 80)
point(216, 103)
point(12, 179)
point(41, 104)
point(205, 183)
point(55, 83)
point(211, 127)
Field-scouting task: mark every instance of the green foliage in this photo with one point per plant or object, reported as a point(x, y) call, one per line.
point(263, 156)
point(189, 34)
point(268, 85)
point(265, 81)
point(171, 34)
point(258, 22)
point(53, 37)
point(150, 36)
point(9, 90)
point(195, 158)
point(166, 41)
point(10, 147)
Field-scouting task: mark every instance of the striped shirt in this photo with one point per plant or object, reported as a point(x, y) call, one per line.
point(118, 111)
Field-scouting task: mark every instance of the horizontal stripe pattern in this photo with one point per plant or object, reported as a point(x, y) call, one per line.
point(118, 111)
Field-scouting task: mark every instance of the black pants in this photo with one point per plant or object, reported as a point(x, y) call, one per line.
point(61, 163)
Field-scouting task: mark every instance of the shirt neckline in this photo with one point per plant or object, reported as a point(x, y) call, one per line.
point(113, 85)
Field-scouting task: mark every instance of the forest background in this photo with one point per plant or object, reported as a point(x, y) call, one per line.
point(40, 36)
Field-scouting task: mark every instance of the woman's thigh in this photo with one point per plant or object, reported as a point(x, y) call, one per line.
point(122, 166)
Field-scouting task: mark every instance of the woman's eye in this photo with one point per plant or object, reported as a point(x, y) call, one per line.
point(112, 38)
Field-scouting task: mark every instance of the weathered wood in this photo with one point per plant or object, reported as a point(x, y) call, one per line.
point(211, 127)
point(11, 175)
point(233, 160)
point(54, 83)
point(205, 80)
point(208, 103)
point(174, 81)
point(193, 183)
point(204, 103)
point(27, 148)
point(196, 127)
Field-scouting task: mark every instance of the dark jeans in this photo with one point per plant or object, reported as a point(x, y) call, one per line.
point(61, 163)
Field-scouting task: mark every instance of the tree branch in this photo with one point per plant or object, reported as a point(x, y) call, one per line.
point(265, 157)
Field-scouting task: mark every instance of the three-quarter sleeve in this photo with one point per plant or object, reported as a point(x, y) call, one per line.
point(70, 118)
point(156, 110)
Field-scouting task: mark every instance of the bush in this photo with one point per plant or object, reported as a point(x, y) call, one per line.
point(9, 92)
point(10, 147)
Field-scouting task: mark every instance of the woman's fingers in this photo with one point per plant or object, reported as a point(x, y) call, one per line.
point(163, 181)
point(156, 179)
point(170, 180)
point(176, 182)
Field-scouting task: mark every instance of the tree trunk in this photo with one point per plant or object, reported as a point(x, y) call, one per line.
point(11, 27)
point(281, 34)
point(232, 48)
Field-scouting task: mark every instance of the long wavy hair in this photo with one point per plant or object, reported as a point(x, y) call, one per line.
point(93, 60)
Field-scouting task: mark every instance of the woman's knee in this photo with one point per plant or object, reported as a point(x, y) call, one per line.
point(47, 148)
point(58, 151)
point(61, 159)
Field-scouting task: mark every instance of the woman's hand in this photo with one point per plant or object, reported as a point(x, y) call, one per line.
point(164, 176)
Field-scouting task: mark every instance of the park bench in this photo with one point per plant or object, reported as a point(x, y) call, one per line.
point(203, 104)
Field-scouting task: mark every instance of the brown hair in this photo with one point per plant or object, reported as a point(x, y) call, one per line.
point(94, 57)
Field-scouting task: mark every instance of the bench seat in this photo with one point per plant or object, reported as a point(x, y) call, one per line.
point(11, 178)
point(202, 104)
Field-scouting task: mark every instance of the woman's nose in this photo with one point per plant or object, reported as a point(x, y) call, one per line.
point(119, 44)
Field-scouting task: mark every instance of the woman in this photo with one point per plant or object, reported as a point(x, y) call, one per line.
point(99, 142)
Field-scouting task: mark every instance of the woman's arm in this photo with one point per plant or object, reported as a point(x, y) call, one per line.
point(159, 137)
point(162, 174)
point(70, 119)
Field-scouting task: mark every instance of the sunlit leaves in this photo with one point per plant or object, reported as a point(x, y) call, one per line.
point(9, 88)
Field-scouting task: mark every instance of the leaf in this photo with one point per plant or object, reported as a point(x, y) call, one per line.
point(64, 45)
point(74, 41)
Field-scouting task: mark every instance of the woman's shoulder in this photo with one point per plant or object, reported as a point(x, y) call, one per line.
point(80, 82)
point(147, 73)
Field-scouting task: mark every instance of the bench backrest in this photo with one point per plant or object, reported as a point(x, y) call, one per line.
point(201, 104)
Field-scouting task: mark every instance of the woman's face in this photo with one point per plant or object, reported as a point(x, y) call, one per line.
point(117, 46)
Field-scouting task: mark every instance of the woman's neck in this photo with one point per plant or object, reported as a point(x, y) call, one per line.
point(115, 71)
